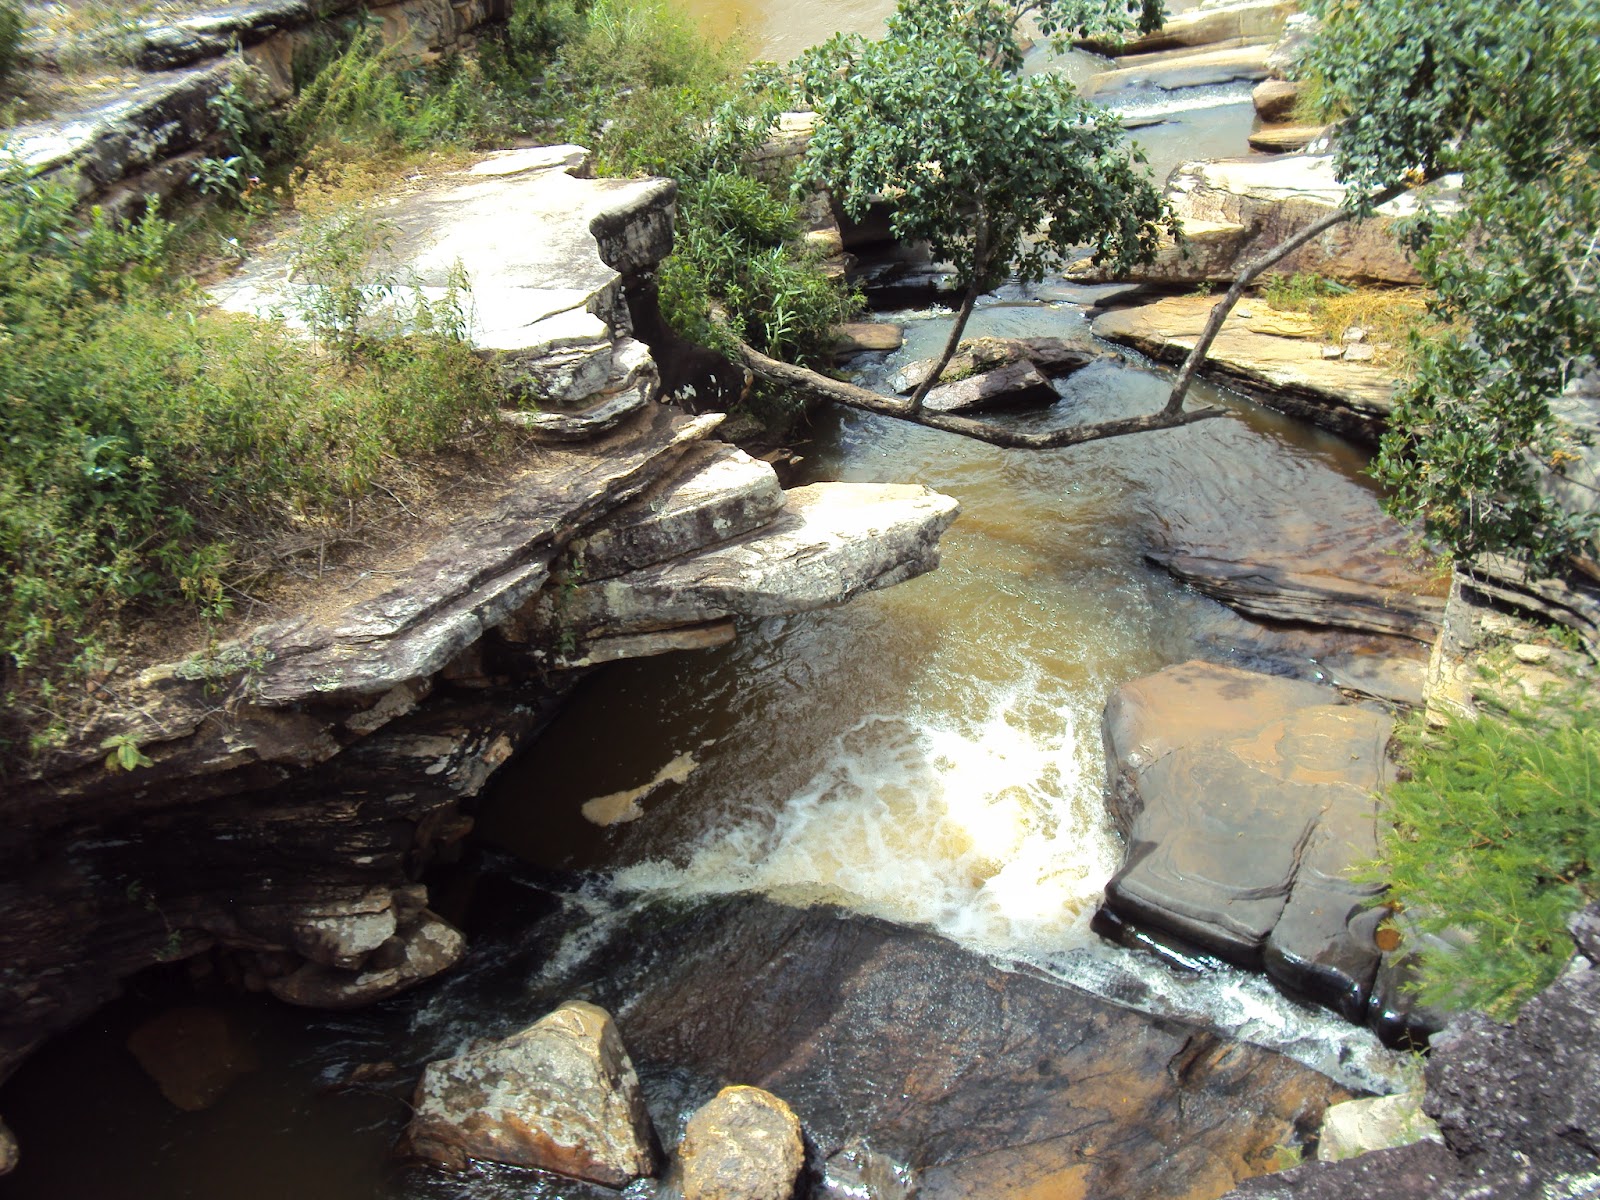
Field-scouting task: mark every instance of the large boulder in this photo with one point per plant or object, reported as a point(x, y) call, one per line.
point(1245, 799)
point(743, 1145)
point(1018, 385)
point(561, 1095)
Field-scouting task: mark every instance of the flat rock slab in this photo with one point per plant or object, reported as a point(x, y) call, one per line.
point(832, 542)
point(983, 1083)
point(1204, 26)
point(719, 494)
point(1244, 798)
point(1283, 139)
point(1286, 373)
point(542, 251)
point(1203, 68)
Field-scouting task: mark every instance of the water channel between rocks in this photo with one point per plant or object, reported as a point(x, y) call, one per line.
point(929, 756)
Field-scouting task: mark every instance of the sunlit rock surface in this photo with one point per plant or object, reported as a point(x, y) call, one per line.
point(562, 1095)
point(1280, 365)
point(743, 1145)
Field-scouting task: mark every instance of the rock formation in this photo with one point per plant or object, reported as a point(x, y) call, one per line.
point(1518, 1107)
point(1234, 210)
point(978, 1081)
point(1270, 356)
point(1244, 800)
point(302, 775)
point(143, 131)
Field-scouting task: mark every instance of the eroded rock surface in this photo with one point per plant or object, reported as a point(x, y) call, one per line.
point(1234, 210)
point(1206, 24)
point(562, 1096)
point(743, 1145)
point(1244, 799)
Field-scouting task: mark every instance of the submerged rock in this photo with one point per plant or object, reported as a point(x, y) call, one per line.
point(193, 1054)
point(743, 1145)
point(1245, 800)
point(561, 1095)
point(1019, 385)
point(1049, 356)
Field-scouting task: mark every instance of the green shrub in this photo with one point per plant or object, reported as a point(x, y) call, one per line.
point(151, 451)
point(1496, 833)
point(11, 31)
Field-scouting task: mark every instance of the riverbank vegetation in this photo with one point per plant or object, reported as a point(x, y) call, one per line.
point(161, 456)
point(1495, 843)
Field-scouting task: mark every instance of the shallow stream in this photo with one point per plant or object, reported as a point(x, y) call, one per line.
point(929, 755)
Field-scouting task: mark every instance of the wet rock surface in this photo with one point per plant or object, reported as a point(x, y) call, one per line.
point(1244, 800)
point(980, 1082)
point(562, 1096)
point(744, 1145)
point(1518, 1107)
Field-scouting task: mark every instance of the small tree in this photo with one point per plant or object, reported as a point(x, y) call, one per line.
point(1508, 95)
point(998, 173)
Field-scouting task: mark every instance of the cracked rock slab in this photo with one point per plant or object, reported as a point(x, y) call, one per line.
point(1242, 799)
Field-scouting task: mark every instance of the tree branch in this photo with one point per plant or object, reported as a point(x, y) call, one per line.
point(848, 394)
point(1220, 310)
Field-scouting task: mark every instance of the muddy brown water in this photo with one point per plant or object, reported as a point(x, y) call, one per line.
point(928, 757)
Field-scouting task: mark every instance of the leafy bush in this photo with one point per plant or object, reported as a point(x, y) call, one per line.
point(11, 31)
point(1497, 833)
point(151, 452)
point(1508, 95)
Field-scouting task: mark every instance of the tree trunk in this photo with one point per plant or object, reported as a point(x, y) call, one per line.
point(1220, 310)
point(980, 270)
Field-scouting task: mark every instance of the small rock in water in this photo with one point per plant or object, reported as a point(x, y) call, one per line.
point(744, 1145)
point(193, 1054)
point(562, 1096)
